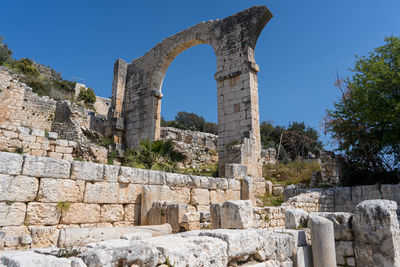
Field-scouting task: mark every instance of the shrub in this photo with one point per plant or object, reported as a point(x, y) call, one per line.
point(26, 67)
point(5, 53)
point(292, 173)
point(87, 95)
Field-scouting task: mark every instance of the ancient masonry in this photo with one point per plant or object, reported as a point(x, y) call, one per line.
point(136, 93)
point(61, 205)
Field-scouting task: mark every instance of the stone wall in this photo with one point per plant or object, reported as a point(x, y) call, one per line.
point(40, 195)
point(200, 148)
point(330, 174)
point(36, 142)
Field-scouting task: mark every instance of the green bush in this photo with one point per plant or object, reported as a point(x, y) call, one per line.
point(5, 53)
point(26, 67)
point(87, 95)
point(292, 173)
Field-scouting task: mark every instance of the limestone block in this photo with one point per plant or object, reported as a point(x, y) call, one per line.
point(289, 192)
point(87, 171)
point(35, 146)
point(111, 173)
point(217, 196)
point(55, 155)
point(277, 190)
point(26, 137)
point(150, 194)
point(177, 180)
point(42, 213)
point(342, 224)
point(132, 213)
point(247, 190)
point(180, 195)
point(323, 241)
point(376, 233)
point(133, 175)
point(37, 132)
point(82, 236)
point(112, 213)
point(72, 143)
point(56, 190)
point(68, 157)
point(11, 241)
point(18, 188)
point(391, 192)
point(158, 213)
point(81, 213)
point(268, 187)
point(101, 192)
point(38, 152)
point(233, 184)
point(215, 214)
point(235, 171)
point(192, 216)
point(130, 193)
point(25, 239)
point(24, 130)
point(156, 177)
point(112, 255)
point(33, 259)
point(42, 139)
point(200, 197)
point(175, 214)
point(208, 183)
point(62, 142)
point(12, 213)
point(237, 214)
point(304, 257)
point(44, 236)
point(232, 195)
point(46, 167)
point(10, 163)
point(295, 218)
point(53, 135)
point(222, 183)
point(10, 134)
point(344, 250)
point(366, 192)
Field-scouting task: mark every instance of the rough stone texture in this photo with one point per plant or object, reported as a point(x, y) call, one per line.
point(247, 190)
point(235, 171)
point(233, 40)
point(323, 241)
point(236, 214)
point(57, 190)
point(112, 213)
point(42, 213)
point(200, 197)
point(87, 171)
point(342, 224)
point(10, 163)
point(81, 213)
point(344, 253)
point(18, 188)
point(101, 193)
point(33, 259)
point(215, 214)
point(295, 218)
point(376, 233)
point(46, 167)
point(12, 214)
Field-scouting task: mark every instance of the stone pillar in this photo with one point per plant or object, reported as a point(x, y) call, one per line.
point(323, 241)
point(376, 233)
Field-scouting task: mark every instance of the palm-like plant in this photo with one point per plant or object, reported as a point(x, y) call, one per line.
point(157, 155)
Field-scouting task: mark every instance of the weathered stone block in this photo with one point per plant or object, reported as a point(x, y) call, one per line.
point(235, 171)
point(37, 132)
point(175, 214)
point(158, 213)
point(180, 195)
point(101, 192)
point(111, 173)
point(217, 196)
point(232, 195)
point(342, 224)
point(247, 190)
point(215, 214)
point(295, 218)
point(56, 190)
point(42, 213)
point(156, 177)
point(112, 213)
point(81, 213)
point(200, 197)
point(133, 175)
point(46, 167)
point(44, 236)
point(87, 171)
point(18, 188)
point(152, 193)
point(376, 233)
point(237, 214)
point(12, 214)
point(344, 250)
point(10, 163)
point(233, 184)
point(130, 193)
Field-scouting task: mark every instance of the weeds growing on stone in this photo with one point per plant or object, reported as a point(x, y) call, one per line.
point(294, 172)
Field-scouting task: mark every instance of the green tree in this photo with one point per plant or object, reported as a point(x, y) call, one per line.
point(190, 121)
point(157, 155)
point(365, 120)
point(5, 52)
point(26, 67)
point(87, 95)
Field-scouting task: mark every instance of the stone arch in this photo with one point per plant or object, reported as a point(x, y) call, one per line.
point(136, 97)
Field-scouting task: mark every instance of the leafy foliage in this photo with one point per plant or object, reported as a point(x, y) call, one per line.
point(25, 66)
point(365, 121)
point(294, 172)
point(5, 52)
point(271, 200)
point(297, 140)
point(190, 121)
point(157, 155)
point(87, 95)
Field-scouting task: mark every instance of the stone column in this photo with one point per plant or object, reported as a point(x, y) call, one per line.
point(376, 233)
point(323, 241)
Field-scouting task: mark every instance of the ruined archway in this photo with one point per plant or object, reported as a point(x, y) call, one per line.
point(136, 95)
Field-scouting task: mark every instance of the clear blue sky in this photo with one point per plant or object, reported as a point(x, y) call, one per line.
point(298, 52)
